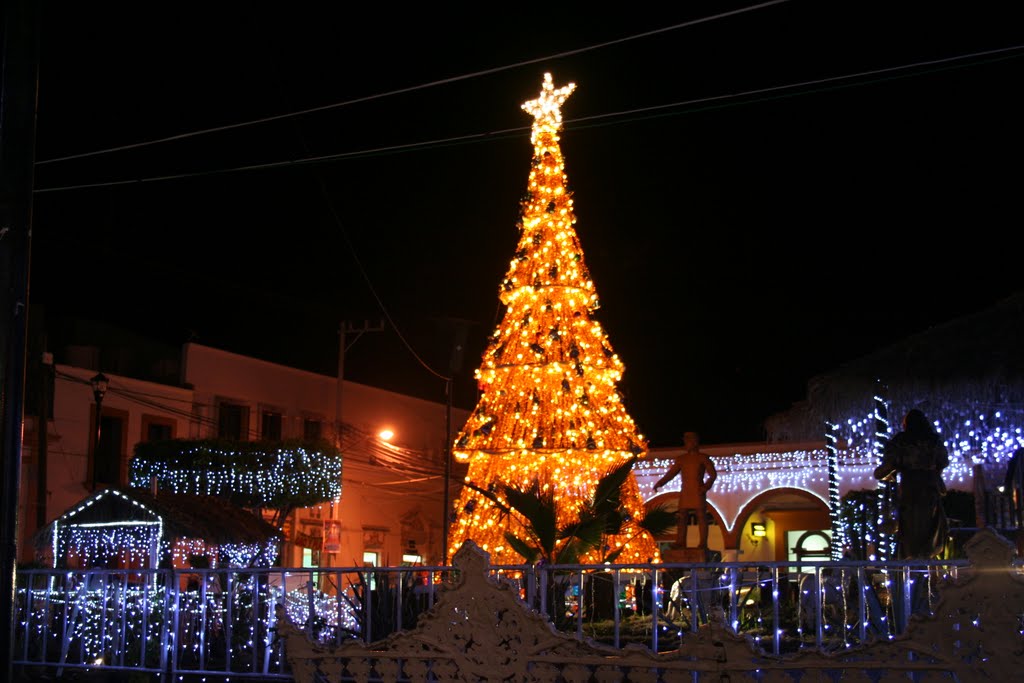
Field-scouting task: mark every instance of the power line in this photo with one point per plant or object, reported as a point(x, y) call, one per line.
point(728, 99)
point(401, 91)
point(895, 70)
point(612, 118)
point(394, 458)
point(131, 396)
point(390, 149)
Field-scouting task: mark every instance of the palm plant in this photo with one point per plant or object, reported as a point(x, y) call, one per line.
point(543, 541)
point(540, 539)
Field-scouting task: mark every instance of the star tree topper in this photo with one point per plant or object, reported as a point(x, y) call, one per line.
point(546, 109)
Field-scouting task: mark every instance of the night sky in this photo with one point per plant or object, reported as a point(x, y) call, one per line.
point(760, 197)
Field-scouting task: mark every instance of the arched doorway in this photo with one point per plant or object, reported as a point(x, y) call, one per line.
point(786, 514)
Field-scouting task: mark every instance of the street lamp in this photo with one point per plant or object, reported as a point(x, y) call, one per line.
point(99, 390)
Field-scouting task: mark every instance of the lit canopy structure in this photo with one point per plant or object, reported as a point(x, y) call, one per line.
point(549, 410)
point(128, 527)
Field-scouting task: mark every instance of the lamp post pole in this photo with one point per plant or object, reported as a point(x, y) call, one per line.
point(344, 330)
point(99, 390)
point(454, 366)
point(20, 84)
point(447, 469)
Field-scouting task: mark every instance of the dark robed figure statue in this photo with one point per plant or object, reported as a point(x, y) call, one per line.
point(918, 456)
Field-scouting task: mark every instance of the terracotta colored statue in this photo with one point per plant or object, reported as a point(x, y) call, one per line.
point(697, 474)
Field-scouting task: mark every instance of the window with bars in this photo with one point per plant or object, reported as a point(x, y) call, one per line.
point(270, 425)
point(312, 429)
point(233, 421)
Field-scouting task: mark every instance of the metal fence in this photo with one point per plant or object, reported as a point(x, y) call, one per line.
point(222, 622)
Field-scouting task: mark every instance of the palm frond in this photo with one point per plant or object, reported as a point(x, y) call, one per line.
point(658, 520)
point(587, 531)
point(491, 496)
point(609, 487)
point(612, 556)
point(530, 553)
point(540, 512)
point(572, 551)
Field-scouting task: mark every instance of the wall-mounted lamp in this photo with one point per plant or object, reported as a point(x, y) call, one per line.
point(757, 532)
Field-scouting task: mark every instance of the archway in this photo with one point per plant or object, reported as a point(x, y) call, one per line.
point(782, 512)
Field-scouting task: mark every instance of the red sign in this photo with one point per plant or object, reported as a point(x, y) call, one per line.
point(332, 536)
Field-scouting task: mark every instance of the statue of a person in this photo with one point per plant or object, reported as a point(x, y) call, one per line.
point(918, 456)
point(697, 474)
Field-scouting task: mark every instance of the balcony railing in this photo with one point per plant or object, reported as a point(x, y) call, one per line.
point(224, 622)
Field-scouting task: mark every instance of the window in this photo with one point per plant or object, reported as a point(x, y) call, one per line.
point(312, 429)
point(815, 544)
point(108, 457)
point(233, 421)
point(370, 559)
point(311, 558)
point(270, 426)
point(155, 428)
point(158, 432)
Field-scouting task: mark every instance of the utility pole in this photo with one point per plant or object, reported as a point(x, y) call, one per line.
point(45, 373)
point(346, 329)
point(18, 96)
point(454, 367)
point(447, 451)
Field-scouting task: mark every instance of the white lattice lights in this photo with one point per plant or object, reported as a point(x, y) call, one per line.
point(129, 541)
point(141, 542)
point(753, 472)
point(113, 613)
point(986, 438)
point(289, 472)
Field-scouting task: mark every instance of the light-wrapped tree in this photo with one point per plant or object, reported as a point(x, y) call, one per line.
point(550, 419)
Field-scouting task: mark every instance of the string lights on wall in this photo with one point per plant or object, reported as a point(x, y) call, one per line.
point(847, 463)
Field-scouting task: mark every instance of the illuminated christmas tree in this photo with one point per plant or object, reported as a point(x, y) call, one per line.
point(549, 412)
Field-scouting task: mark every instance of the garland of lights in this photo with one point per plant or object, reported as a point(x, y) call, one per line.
point(119, 617)
point(250, 474)
point(250, 554)
point(330, 614)
point(185, 552)
point(134, 543)
point(92, 545)
point(134, 619)
point(129, 541)
point(885, 542)
point(549, 409)
point(839, 539)
point(981, 438)
point(975, 444)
